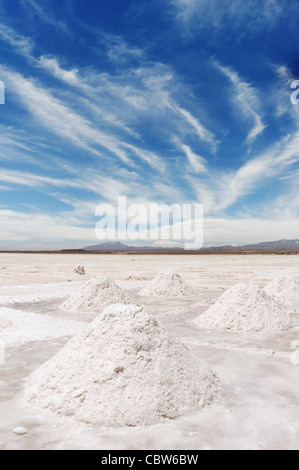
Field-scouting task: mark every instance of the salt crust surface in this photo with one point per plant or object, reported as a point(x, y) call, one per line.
point(23, 327)
point(284, 289)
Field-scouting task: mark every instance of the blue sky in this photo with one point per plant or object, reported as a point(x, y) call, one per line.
point(165, 101)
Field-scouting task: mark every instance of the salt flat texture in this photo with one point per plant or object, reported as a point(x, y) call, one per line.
point(124, 369)
point(284, 290)
point(248, 308)
point(167, 285)
point(258, 404)
point(96, 295)
point(36, 292)
point(25, 327)
point(4, 323)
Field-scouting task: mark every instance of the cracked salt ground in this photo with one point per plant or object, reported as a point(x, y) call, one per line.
point(257, 407)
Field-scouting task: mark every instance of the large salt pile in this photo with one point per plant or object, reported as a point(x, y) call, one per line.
point(124, 369)
point(284, 289)
point(96, 295)
point(245, 308)
point(167, 285)
point(4, 323)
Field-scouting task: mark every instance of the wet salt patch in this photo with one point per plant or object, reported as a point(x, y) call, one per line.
point(27, 327)
point(42, 292)
point(266, 352)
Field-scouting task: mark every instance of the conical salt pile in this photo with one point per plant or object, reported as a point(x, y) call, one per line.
point(284, 289)
point(124, 369)
point(96, 295)
point(167, 285)
point(245, 308)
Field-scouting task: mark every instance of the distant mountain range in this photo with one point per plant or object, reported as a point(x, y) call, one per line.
point(264, 247)
point(276, 246)
point(117, 246)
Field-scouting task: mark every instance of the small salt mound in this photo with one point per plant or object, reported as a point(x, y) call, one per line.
point(245, 308)
point(20, 431)
point(80, 270)
point(124, 369)
point(167, 285)
point(284, 290)
point(96, 295)
point(4, 323)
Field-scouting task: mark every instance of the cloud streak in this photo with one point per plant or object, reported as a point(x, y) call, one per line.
point(143, 118)
point(246, 100)
point(241, 17)
point(45, 15)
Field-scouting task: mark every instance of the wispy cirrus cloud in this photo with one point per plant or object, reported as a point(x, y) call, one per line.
point(20, 43)
point(250, 16)
point(197, 163)
point(45, 14)
point(204, 134)
point(145, 88)
point(52, 66)
point(246, 100)
point(119, 51)
point(145, 121)
point(59, 118)
point(222, 189)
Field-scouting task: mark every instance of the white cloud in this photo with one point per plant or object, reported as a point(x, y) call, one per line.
point(203, 133)
point(46, 16)
point(119, 101)
point(59, 118)
point(246, 100)
point(17, 226)
point(51, 64)
point(248, 230)
point(224, 188)
point(21, 43)
point(197, 163)
point(240, 16)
